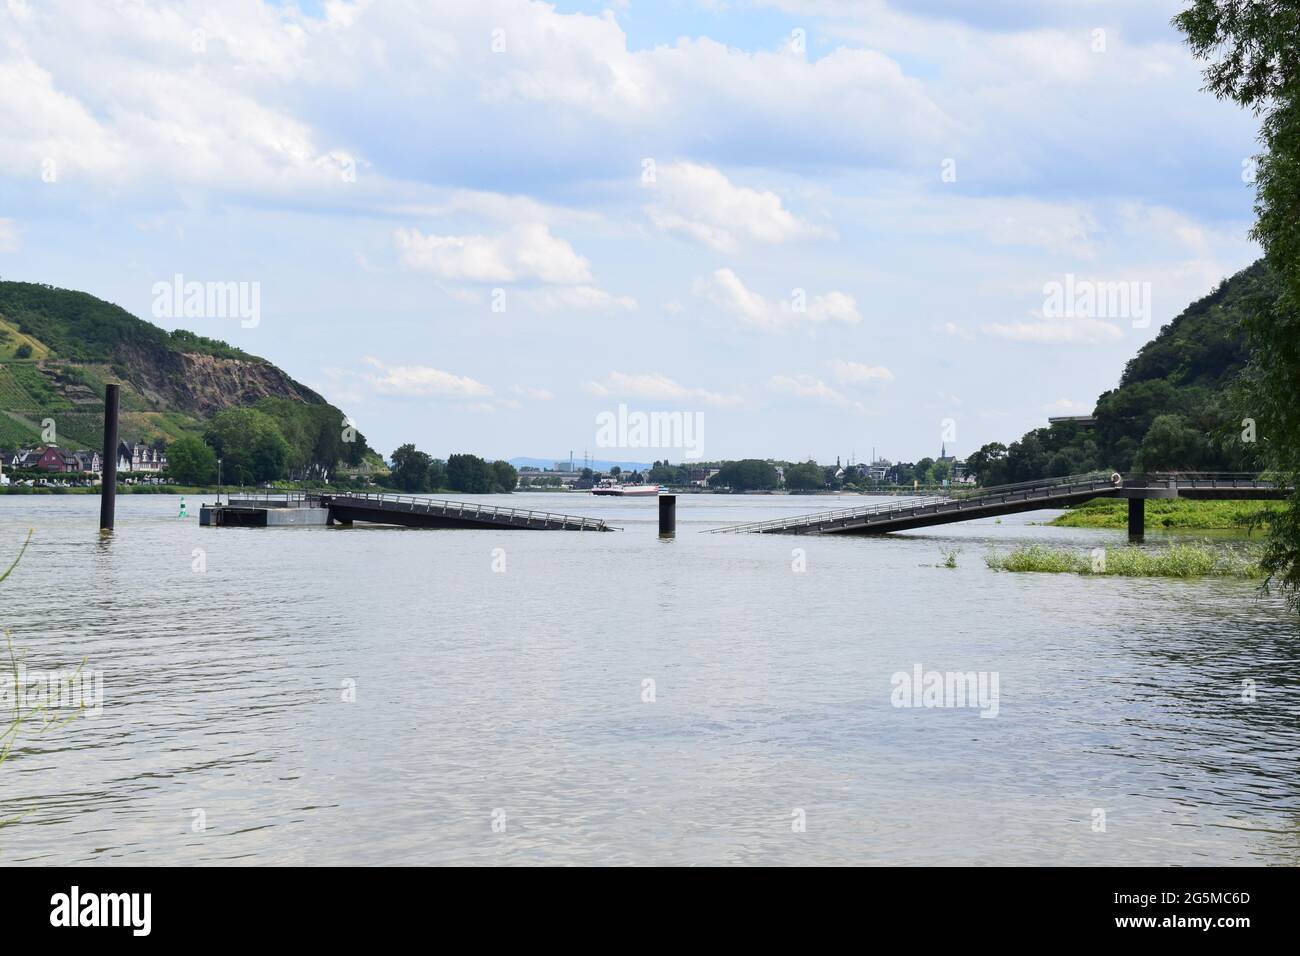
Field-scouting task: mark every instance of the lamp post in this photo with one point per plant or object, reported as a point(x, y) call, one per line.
point(218, 481)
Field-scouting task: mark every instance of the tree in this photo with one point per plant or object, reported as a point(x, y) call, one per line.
point(469, 474)
point(250, 445)
point(665, 474)
point(749, 474)
point(921, 470)
point(411, 469)
point(504, 477)
point(804, 477)
point(1172, 445)
point(191, 462)
point(988, 464)
point(1253, 59)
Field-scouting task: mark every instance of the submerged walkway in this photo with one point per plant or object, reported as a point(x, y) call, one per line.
point(272, 508)
point(963, 505)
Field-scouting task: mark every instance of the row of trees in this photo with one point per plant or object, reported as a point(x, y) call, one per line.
point(273, 440)
point(300, 441)
point(416, 471)
point(1171, 443)
point(753, 474)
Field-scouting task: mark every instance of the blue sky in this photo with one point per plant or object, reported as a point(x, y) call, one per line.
point(821, 226)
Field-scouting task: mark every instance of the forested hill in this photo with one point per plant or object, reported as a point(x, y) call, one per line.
point(1172, 409)
point(59, 347)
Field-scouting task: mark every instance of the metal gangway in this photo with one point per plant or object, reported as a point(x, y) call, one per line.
point(419, 511)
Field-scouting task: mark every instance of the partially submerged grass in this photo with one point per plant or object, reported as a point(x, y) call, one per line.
point(1175, 561)
point(1037, 558)
point(1172, 513)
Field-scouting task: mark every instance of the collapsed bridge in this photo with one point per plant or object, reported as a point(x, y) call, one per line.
point(284, 509)
point(969, 505)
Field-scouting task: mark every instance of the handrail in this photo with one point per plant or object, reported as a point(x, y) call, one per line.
point(1236, 477)
point(1026, 490)
point(444, 505)
point(1089, 480)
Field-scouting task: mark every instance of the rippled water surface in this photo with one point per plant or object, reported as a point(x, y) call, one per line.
point(520, 694)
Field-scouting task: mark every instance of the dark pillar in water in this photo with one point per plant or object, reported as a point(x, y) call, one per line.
point(1136, 518)
point(108, 486)
point(667, 516)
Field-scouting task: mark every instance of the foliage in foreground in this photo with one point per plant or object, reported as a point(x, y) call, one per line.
point(1252, 58)
point(41, 715)
point(1175, 561)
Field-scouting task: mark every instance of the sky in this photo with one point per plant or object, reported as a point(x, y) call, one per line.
point(807, 229)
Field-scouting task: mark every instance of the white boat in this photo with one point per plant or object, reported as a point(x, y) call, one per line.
point(608, 486)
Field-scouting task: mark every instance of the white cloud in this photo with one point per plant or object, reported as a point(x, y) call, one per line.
point(728, 293)
point(534, 394)
point(237, 95)
point(422, 381)
point(956, 331)
point(582, 298)
point(811, 387)
point(701, 203)
point(494, 206)
point(656, 387)
point(857, 373)
point(8, 236)
point(1056, 331)
point(1064, 406)
point(525, 253)
point(555, 277)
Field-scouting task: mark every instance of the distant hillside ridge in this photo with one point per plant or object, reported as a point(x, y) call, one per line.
point(59, 347)
point(1173, 408)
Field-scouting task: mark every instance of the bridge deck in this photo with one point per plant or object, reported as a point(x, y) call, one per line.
point(408, 510)
point(415, 511)
point(1010, 499)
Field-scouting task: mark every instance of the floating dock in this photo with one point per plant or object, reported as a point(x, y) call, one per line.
point(287, 510)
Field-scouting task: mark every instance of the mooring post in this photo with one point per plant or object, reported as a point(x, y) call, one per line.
point(108, 466)
point(1136, 518)
point(667, 516)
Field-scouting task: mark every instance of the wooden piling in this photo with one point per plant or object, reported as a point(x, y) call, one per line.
point(1137, 513)
point(108, 484)
point(667, 516)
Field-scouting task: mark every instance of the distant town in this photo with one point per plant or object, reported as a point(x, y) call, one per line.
point(54, 466)
point(50, 463)
point(758, 475)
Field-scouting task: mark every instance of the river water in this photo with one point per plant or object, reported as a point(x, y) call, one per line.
point(379, 695)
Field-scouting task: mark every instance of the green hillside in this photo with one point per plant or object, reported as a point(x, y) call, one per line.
point(1172, 409)
point(58, 349)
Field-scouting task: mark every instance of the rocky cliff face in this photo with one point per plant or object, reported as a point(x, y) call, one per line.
point(204, 384)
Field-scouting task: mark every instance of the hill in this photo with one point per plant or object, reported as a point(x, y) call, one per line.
point(59, 347)
point(1172, 409)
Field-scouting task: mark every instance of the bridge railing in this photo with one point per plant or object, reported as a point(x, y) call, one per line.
point(463, 509)
point(1049, 487)
point(288, 497)
point(1204, 479)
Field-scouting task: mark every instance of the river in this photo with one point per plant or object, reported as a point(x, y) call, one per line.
point(380, 695)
